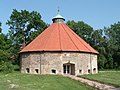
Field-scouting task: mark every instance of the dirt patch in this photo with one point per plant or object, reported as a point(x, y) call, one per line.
point(13, 86)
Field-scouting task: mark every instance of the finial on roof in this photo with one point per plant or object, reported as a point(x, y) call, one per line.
point(58, 10)
point(58, 18)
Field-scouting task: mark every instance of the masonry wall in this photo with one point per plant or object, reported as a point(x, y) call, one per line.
point(52, 62)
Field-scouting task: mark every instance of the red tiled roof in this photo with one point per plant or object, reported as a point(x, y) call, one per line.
point(58, 37)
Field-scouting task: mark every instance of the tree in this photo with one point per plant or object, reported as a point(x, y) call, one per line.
point(5, 55)
point(113, 45)
point(0, 27)
point(24, 26)
point(98, 41)
point(82, 29)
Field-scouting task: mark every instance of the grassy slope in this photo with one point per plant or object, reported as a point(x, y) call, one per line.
point(39, 82)
point(108, 77)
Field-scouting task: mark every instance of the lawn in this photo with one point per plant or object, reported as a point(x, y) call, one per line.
point(108, 77)
point(18, 81)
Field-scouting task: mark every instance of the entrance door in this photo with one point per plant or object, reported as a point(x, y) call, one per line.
point(72, 69)
point(66, 69)
point(69, 68)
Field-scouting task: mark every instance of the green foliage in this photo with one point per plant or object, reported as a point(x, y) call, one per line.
point(112, 34)
point(101, 61)
point(24, 26)
point(5, 63)
point(82, 29)
point(6, 67)
point(4, 55)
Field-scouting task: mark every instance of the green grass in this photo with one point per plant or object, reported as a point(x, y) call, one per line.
point(107, 77)
point(39, 82)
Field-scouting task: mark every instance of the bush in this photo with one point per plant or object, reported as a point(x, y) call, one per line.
point(6, 67)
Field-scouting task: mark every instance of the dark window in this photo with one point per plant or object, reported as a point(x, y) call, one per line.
point(68, 69)
point(53, 71)
point(88, 70)
point(94, 69)
point(80, 71)
point(36, 70)
point(27, 70)
point(64, 67)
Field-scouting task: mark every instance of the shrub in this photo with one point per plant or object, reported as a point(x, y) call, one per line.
point(6, 66)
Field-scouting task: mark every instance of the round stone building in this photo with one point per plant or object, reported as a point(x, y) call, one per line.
point(58, 50)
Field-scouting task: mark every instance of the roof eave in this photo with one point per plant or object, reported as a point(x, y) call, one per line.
point(60, 51)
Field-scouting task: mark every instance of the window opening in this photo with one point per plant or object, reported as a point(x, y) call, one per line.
point(88, 70)
point(36, 70)
point(94, 70)
point(53, 71)
point(68, 69)
point(27, 70)
point(80, 71)
point(64, 68)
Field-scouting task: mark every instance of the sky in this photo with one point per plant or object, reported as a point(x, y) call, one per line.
point(96, 13)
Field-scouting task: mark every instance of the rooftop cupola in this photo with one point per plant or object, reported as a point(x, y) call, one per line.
point(58, 18)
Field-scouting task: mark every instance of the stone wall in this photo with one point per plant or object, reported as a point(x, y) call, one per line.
point(52, 62)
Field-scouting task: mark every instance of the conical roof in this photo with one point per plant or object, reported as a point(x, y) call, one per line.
point(58, 37)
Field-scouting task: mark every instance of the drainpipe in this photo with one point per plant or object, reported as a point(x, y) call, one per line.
point(90, 64)
point(29, 66)
point(40, 62)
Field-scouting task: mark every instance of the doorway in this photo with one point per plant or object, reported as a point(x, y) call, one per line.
point(69, 69)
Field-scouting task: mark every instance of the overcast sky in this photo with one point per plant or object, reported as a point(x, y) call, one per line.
point(96, 13)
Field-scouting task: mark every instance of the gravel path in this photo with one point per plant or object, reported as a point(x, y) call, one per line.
point(95, 84)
